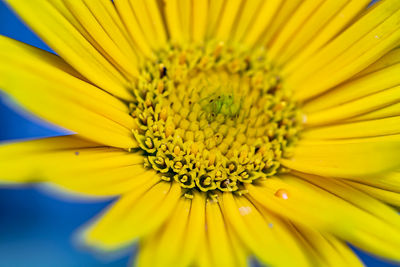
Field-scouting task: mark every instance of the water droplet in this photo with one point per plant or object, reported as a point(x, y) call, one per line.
point(304, 118)
point(244, 210)
point(282, 193)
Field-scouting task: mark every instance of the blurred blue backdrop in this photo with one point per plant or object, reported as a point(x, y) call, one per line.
point(36, 228)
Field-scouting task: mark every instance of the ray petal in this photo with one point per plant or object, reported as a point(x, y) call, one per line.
point(73, 164)
point(217, 237)
point(267, 238)
point(135, 214)
point(363, 43)
point(47, 86)
point(311, 206)
point(67, 41)
point(345, 158)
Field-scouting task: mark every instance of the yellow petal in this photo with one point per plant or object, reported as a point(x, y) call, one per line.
point(390, 59)
point(360, 45)
point(362, 106)
point(268, 238)
point(172, 17)
point(132, 25)
point(204, 256)
point(72, 163)
point(135, 215)
point(340, 21)
point(227, 19)
point(281, 18)
point(218, 239)
point(106, 182)
point(298, 18)
point(390, 196)
point(353, 90)
point(185, 14)
point(329, 250)
point(389, 111)
point(263, 17)
point(92, 16)
point(199, 20)
point(345, 158)
point(349, 257)
point(43, 83)
point(317, 208)
point(370, 128)
point(170, 244)
point(355, 197)
point(70, 44)
point(166, 244)
point(247, 14)
point(149, 19)
point(389, 181)
point(215, 9)
point(311, 27)
point(194, 236)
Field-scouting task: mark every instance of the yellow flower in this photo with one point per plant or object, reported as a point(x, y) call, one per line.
point(225, 128)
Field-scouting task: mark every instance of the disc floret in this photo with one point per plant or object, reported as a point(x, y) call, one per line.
point(213, 117)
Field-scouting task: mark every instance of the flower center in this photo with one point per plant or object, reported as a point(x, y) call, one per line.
point(213, 117)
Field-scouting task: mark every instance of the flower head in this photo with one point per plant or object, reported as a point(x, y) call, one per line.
point(227, 129)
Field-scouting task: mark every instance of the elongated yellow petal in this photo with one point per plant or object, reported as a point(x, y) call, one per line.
point(360, 45)
point(246, 19)
point(375, 82)
point(70, 44)
point(390, 59)
point(264, 16)
point(215, 10)
point(135, 215)
point(166, 244)
point(227, 19)
point(44, 84)
point(106, 182)
point(204, 257)
point(282, 16)
point(349, 257)
point(389, 111)
point(194, 236)
point(370, 128)
point(386, 195)
point(389, 181)
point(219, 242)
point(357, 107)
point(355, 197)
point(316, 208)
point(346, 158)
point(329, 250)
point(327, 33)
point(267, 238)
point(149, 20)
point(132, 25)
point(45, 144)
point(199, 20)
point(300, 16)
point(317, 21)
point(85, 13)
point(349, 37)
point(71, 163)
point(173, 21)
point(185, 14)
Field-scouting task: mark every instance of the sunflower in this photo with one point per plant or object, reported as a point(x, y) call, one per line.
point(225, 129)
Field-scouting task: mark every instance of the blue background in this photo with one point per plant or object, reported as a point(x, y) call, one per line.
point(36, 228)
